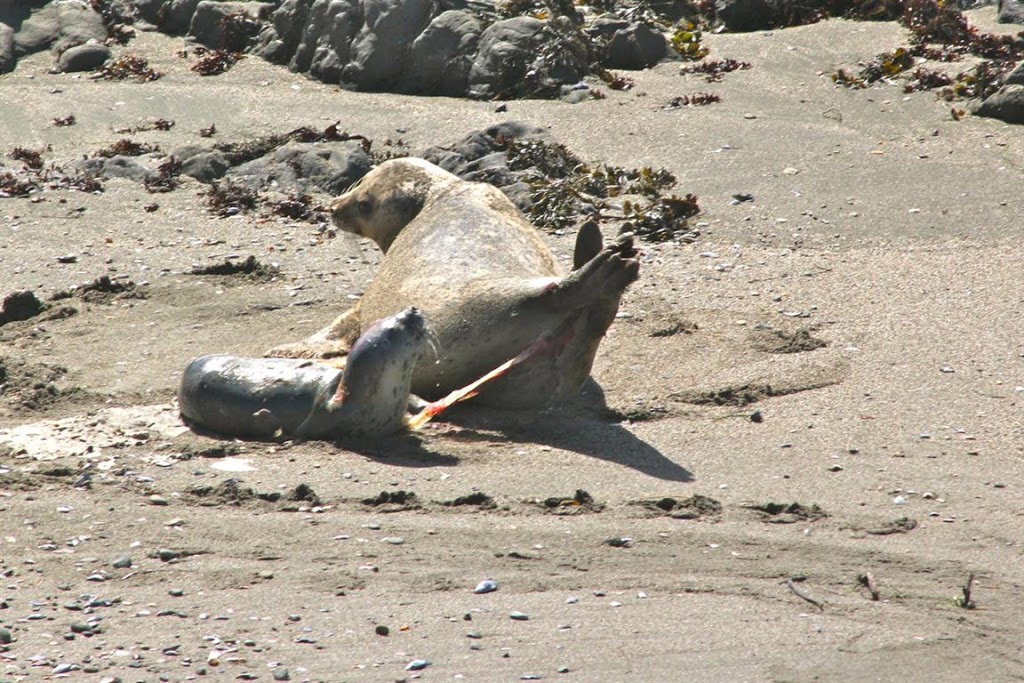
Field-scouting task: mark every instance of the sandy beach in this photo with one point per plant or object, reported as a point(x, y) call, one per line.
point(821, 392)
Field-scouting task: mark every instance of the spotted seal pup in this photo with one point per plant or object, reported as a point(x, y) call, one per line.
point(488, 285)
point(268, 398)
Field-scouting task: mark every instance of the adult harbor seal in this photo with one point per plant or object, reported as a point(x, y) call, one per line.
point(279, 397)
point(484, 279)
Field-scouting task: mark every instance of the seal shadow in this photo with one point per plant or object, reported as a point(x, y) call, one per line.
point(580, 427)
point(401, 450)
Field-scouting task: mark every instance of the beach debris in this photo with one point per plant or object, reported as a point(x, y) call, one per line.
point(518, 616)
point(898, 526)
point(578, 502)
point(477, 498)
point(788, 513)
point(966, 599)
point(418, 665)
point(714, 69)
point(791, 584)
point(382, 630)
point(127, 67)
point(695, 100)
point(693, 507)
point(867, 579)
point(486, 586)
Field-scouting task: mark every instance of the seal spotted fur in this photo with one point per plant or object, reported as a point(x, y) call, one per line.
point(484, 279)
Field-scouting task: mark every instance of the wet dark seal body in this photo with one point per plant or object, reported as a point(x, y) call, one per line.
point(484, 279)
point(268, 398)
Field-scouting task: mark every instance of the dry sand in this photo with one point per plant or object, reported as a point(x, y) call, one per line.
point(880, 226)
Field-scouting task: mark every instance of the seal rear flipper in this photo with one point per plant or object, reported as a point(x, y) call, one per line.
point(589, 243)
point(600, 281)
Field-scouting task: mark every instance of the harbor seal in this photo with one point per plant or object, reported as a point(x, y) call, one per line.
point(486, 282)
point(268, 398)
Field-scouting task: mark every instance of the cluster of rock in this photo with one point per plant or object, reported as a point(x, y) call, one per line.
point(422, 47)
point(459, 48)
point(292, 168)
point(1007, 103)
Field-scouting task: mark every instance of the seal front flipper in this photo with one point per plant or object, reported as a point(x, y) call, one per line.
point(332, 341)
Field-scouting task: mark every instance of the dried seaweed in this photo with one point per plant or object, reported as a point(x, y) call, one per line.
point(31, 158)
point(695, 100)
point(714, 69)
point(126, 147)
point(240, 152)
point(226, 198)
point(563, 188)
point(128, 67)
point(12, 185)
point(686, 40)
point(166, 178)
point(63, 121)
point(216, 62)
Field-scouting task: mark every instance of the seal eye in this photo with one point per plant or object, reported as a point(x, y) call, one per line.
point(365, 206)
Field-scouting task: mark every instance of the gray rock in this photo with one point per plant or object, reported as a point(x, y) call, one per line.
point(427, 47)
point(7, 58)
point(175, 17)
point(114, 167)
point(312, 37)
point(527, 57)
point(150, 11)
point(227, 25)
point(59, 25)
point(744, 15)
point(301, 167)
point(480, 157)
point(1011, 12)
point(635, 47)
point(1007, 104)
point(380, 48)
point(83, 57)
point(441, 56)
point(205, 166)
point(1015, 77)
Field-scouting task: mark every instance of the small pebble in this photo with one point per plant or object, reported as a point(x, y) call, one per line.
point(563, 669)
point(281, 674)
point(382, 630)
point(122, 562)
point(475, 635)
point(393, 540)
point(156, 499)
point(486, 586)
point(5, 637)
point(418, 665)
point(176, 592)
point(519, 616)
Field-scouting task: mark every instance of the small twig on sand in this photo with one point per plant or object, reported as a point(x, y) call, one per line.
point(867, 580)
point(966, 601)
point(791, 584)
